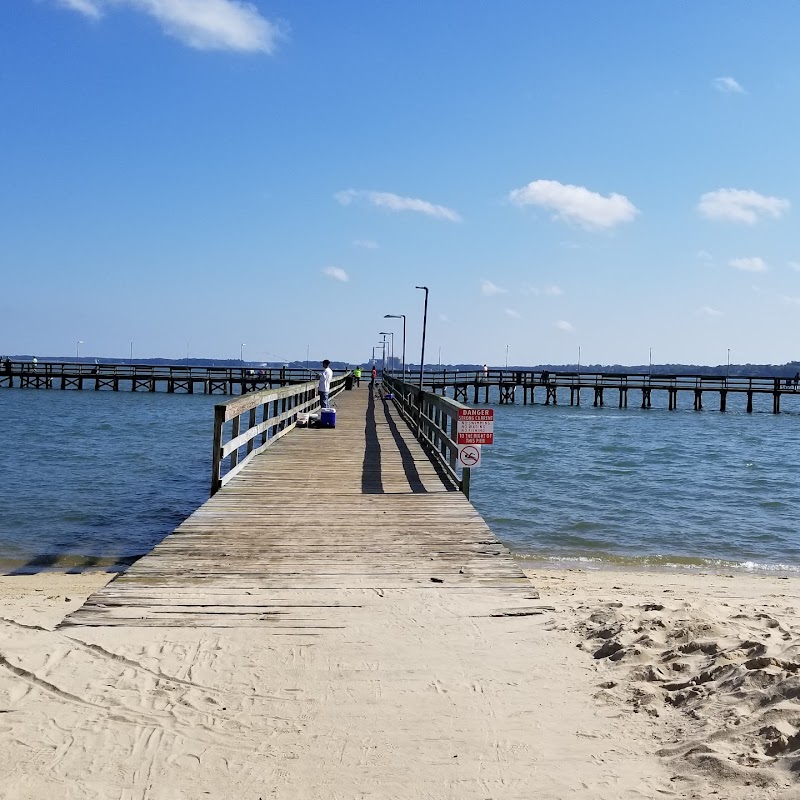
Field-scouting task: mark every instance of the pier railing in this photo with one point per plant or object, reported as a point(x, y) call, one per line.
point(434, 419)
point(247, 425)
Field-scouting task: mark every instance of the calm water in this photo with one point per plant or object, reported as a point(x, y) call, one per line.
point(98, 478)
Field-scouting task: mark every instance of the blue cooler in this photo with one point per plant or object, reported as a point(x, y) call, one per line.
point(327, 418)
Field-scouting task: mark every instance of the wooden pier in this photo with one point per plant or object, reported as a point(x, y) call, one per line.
point(358, 506)
point(602, 388)
point(147, 377)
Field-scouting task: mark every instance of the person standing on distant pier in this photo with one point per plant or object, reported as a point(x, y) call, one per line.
point(485, 373)
point(325, 383)
point(357, 376)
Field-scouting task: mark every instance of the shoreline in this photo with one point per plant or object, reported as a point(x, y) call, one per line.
point(643, 564)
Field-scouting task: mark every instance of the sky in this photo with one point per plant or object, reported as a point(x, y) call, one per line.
point(269, 179)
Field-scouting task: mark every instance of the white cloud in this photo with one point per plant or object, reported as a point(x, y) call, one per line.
point(510, 312)
point(365, 244)
point(336, 273)
point(703, 255)
point(728, 85)
point(548, 291)
point(710, 312)
point(87, 7)
point(202, 24)
point(791, 301)
point(576, 204)
point(754, 264)
point(741, 205)
point(394, 202)
point(795, 265)
point(488, 288)
point(563, 325)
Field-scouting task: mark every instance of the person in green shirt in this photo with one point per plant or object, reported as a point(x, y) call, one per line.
point(357, 375)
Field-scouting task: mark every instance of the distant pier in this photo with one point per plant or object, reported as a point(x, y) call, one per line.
point(147, 377)
point(601, 388)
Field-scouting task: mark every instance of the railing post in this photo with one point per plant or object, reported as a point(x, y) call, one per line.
point(216, 461)
point(466, 473)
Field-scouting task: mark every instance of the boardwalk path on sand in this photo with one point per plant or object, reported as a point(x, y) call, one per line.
point(336, 622)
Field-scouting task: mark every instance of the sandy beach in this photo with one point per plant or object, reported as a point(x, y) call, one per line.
point(635, 684)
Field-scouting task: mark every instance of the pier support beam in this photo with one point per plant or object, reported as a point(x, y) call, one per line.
point(672, 399)
point(750, 401)
point(646, 398)
point(698, 399)
point(598, 396)
point(723, 399)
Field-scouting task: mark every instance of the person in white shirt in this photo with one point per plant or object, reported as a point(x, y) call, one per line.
point(325, 383)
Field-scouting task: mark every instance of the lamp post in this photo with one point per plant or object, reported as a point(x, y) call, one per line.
point(579, 359)
point(650, 364)
point(241, 352)
point(308, 350)
point(78, 348)
point(383, 354)
point(506, 356)
point(131, 361)
point(424, 326)
point(397, 316)
point(728, 372)
point(391, 347)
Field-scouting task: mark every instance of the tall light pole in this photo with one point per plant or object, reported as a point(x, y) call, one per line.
point(241, 352)
point(506, 356)
point(391, 347)
point(383, 353)
point(728, 373)
point(131, 361)
point(397, 316)
point(78, 348)
point(579, 359)
point(424, 327)
point(308, 350)
point(650, 364)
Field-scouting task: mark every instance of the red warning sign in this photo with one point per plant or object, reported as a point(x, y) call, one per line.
point(475, 426)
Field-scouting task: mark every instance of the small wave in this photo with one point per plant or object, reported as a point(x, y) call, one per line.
point(659, 562)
